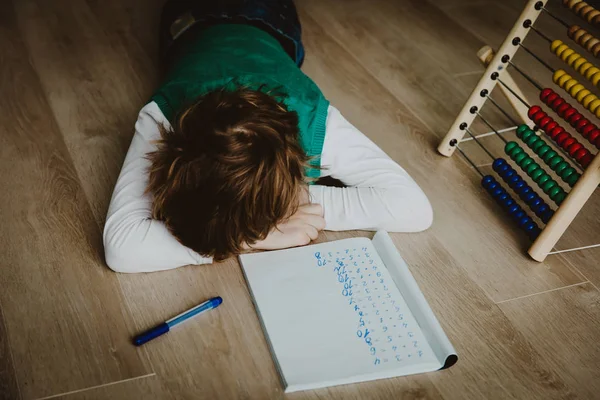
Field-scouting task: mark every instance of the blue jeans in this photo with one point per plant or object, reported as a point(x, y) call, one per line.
point(277, 17)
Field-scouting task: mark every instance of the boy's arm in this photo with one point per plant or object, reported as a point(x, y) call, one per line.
point(381, 194)
point(133, 241)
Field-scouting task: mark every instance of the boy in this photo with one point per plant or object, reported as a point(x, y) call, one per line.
point(228, 154)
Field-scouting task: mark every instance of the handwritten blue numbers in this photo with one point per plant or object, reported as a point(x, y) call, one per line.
point(352, 269)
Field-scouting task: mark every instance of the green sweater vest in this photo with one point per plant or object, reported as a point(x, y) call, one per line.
point(230, 56)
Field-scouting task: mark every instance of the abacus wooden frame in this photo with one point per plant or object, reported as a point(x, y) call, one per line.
point(589, 180)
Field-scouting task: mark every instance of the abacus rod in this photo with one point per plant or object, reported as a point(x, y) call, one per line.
point(514, 94)
point(555, 17)
point(479, 143)
point(540, 33)
point(492, 128)
point(470, 162)
point(537, 58)
point(507, 115)
point(530, 79)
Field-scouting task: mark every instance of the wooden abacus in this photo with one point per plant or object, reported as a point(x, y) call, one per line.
point(537, 124)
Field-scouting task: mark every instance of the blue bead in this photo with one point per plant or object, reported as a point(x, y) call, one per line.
point(498, 162)
point(510, 173)
point(513, 181)
point(524, 221)
point(486, 181)
point(535, 201)
point(518, 215)
point(497, 192)
point(529, 197)
point(519, 185)
point(513, 209)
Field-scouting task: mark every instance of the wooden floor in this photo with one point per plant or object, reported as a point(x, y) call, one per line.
point(74, 74)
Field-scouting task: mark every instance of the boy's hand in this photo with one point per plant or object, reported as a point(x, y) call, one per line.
point(298, 230)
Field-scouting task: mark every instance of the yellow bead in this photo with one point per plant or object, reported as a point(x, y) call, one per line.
point(582, 95)
point(566, 53)
point(587, 102)
point(578, 63)
point(572, 83)
point(596, 79)
point(557, 75)
point(594, 104)
point(564, 80)
point(576, 89)
point(591, 72)
point(555, 44)
point(597, 113)
point(573, 58)
point(584, 67)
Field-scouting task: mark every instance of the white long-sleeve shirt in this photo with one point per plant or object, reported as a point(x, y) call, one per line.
point(381, 195)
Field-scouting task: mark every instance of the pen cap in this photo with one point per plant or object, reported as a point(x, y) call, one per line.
point(216, 301)
point(151, 334)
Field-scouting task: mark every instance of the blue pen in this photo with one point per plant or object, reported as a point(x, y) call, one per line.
point(184, 316)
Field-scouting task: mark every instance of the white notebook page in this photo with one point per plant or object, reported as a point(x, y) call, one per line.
point(332, 315)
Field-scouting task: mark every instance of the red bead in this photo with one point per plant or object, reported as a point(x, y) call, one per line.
point(539, 116)
point(581, 154)
point(556, 131)
point(550, 126)
point(563, 107)
point(568, 143)
point(575, 118)
point(533, 110)
point(586, 160)
point(569, 113)
point(595, 134)
point(586, 131)
point(561, 138)
point(582, 123)
point(597, 143)
point(574, 148)
point(545, 93)
point(545, 121)
point(557, 103)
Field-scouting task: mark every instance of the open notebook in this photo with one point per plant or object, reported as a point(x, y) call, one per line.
point(343, 312)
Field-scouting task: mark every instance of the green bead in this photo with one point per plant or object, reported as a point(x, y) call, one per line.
point(543, 179)
point(572, 180)
point(567, 173)
point(549, 155)
point(532, 167)
point(527, 134)
point(522, 129)
point(536, 174)
point(510, 146)
point(532, 140)
point(546, 187)
point(537, 145)
point(526, 162)
point(554, 161)
point(560, 167)
point(543, 150)
point(560, 197)
point(520, 157)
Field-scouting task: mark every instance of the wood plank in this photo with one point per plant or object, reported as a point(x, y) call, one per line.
point(149, 387)
point(95, 81)
point(463, 218)
point(385, 42)
point(63, 310)
point(586, 262)
point(563, 327)
point(9, 388)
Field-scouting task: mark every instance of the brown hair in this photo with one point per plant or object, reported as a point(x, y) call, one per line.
point(228, 172)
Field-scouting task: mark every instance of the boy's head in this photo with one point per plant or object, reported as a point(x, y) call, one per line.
point(230, 169)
